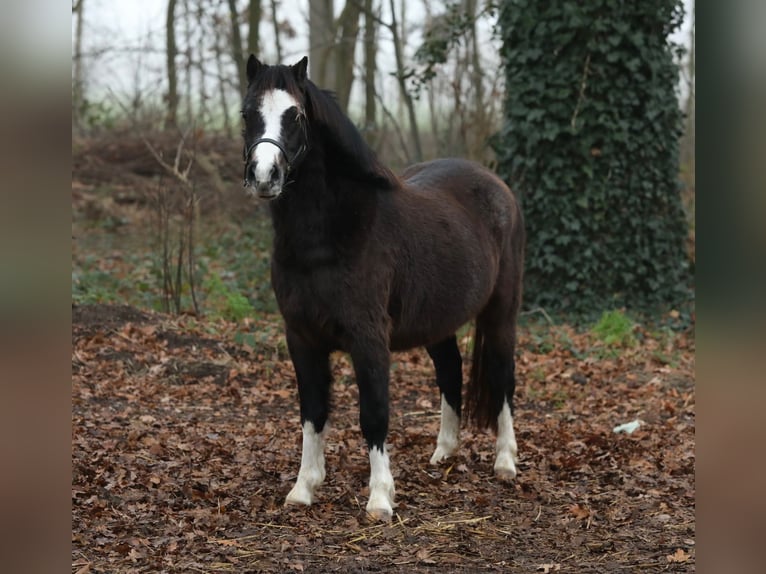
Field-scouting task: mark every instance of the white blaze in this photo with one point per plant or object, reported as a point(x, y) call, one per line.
point(273, 106)
point(312, 471)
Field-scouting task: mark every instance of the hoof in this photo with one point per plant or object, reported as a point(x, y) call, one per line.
point(380, 514)
point(505, 468)
point(505, 474)
point(299, 496)
point(441, 454)
point(381, 503)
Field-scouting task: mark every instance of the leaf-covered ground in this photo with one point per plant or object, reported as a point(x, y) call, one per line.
point(185, 443)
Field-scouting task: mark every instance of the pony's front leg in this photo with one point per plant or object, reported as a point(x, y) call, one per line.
point(371, 364)
point(312, 369)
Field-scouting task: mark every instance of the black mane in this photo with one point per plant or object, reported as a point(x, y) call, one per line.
point(347, 151)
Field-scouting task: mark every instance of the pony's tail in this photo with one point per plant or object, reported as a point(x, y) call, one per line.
point(492, 379)
point(479, 396)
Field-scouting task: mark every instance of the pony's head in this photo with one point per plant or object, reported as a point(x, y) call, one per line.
point(275, 133)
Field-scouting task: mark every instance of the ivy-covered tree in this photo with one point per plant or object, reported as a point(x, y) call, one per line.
point(590, 144)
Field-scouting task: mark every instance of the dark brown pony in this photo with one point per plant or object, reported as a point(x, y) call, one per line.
point(367, 262)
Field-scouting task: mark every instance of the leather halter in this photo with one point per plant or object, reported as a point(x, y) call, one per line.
point(291, 163)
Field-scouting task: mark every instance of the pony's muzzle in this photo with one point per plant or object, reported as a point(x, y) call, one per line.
point(266, 187)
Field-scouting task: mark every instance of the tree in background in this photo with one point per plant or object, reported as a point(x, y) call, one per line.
point(688, 141)
point(236, 46)
point(253, 27)
point(321, 41)
point(189, 68)
point(253, 37)
point(78, 81)
point(370, 49)
point(347, 27)
point(332, 45)
point(171, 50)
point(591, 144)
point(453, 72)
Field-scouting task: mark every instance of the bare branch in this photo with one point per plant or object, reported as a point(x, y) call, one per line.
point(174, 170)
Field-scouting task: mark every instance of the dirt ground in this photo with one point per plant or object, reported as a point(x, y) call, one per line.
point(186, 442)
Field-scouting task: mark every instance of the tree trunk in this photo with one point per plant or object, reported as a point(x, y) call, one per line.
point(345, 47)
point(78, 82)
point(253, 21)
point(187, 69)
point(200, 63)
point(171, 117)
point(477, 74)
point(687, 142)
point(222, 84)
point(277, 34)
point(433, 108)
point(321, 41)
point(406, 96)
point(370, 110)
point(236, 47)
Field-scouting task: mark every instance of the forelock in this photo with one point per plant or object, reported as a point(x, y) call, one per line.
point(272, 78)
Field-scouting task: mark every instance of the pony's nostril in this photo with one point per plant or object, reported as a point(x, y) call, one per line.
point(275, 176)
point(250, 172)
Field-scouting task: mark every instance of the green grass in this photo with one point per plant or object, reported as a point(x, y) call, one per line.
point(241, 256)
point(615, 329)
point(222, 300)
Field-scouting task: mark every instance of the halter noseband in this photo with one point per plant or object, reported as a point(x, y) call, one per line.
point(291, 163)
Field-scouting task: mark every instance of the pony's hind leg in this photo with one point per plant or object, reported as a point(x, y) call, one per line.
point(493, 383)
point(501, 367)
point(312, 369)
point(507, 451)
point(449, 377)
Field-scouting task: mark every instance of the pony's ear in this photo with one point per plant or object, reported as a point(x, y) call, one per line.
point(253, 67)
point(299, 69)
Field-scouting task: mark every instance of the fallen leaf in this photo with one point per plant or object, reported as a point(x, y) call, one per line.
point(678, 556)
point(580, 512)
point(425, 556)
